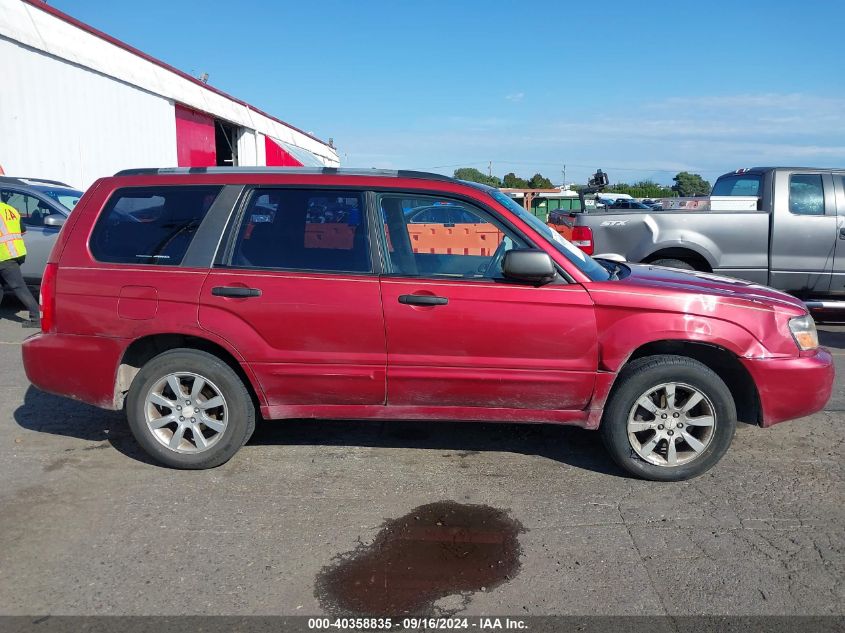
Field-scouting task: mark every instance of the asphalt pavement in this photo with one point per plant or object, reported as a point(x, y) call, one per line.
point(307, 509)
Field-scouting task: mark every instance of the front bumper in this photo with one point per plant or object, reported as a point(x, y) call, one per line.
point(791, 388)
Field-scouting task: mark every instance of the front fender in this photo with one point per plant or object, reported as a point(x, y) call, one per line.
point(620, 335)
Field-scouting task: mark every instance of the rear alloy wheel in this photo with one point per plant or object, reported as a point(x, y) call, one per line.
point(669, 418)
point(186, 412)
point(189, 409)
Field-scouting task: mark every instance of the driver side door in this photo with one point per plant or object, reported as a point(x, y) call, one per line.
point(459, 335)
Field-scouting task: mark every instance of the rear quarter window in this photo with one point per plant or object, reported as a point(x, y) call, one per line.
point(150, 225)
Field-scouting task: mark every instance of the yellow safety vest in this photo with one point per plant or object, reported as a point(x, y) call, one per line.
point(11, 239)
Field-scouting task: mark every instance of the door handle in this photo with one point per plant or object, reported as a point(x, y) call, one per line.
point(235, 291)
point(422, 300)
point(842, 234)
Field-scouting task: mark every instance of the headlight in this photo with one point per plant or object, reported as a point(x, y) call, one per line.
point(803, 330)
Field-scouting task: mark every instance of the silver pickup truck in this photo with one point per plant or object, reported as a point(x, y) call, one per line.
point(792, 239)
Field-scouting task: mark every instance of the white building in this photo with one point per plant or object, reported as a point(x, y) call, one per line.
point(77, 104)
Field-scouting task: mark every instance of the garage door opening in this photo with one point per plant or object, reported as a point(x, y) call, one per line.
point(226, 143)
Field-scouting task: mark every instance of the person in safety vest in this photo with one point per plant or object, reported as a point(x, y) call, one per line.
point(12, 255)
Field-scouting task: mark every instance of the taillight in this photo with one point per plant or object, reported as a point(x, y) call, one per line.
point(48, 298)
point(582, 237)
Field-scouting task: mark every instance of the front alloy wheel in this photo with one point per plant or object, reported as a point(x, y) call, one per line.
point(671, 424)
point(668, 418)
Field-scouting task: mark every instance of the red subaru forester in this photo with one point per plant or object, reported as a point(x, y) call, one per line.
point(202, 299)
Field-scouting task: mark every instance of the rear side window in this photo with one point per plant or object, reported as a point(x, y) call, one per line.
point(150, 225)
point(303, 229)
point(806, 194)
point(742, 185)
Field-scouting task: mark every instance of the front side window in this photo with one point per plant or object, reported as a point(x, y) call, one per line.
point(806, 194)
point(32, 210)
point(456, 239)
point(576, 256)
point(303, 229)
point(150, 225)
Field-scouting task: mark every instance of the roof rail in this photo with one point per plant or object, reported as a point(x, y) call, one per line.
point(23, 180)
point(326, 171)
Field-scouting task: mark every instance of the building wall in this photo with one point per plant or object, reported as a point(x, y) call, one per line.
point(44, 29)
point(64, 122)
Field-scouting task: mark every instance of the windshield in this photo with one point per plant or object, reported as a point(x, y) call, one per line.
point(579, 258)
point(737, 185)
point(65, 197)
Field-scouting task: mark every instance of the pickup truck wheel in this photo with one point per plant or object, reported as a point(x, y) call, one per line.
point(669, 418)
point(188, 409)
point(673, 263)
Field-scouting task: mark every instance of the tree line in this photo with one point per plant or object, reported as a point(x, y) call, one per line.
point(686, 184)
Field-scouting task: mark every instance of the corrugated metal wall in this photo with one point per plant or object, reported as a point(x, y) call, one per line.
point(39, 29)
point(60, 121)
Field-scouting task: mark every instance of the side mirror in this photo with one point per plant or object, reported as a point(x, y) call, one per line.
point(528, 265)
point(55, 219)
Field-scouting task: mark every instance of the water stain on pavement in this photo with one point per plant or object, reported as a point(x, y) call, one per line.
point(434, 551)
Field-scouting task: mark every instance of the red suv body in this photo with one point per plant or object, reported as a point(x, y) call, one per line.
point(313, 294)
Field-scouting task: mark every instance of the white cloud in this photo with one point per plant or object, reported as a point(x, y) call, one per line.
point(707, 134)
point(515, 96)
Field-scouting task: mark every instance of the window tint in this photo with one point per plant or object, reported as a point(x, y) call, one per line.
point(150, 225)
point(441, 214)
point(806, 194)
point(744, 185)
point(31, 209)
point(457, 240)
point(303, 230)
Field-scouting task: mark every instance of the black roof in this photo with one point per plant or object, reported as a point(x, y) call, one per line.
point(763, 170)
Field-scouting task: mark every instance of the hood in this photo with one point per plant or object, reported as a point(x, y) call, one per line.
point(647, 276)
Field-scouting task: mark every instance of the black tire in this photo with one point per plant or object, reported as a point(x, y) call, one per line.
point(635, 380)
point(241, 410)
point(673, 263)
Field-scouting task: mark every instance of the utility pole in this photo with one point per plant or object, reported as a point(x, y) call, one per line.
point(490, 168)
point(564, 175)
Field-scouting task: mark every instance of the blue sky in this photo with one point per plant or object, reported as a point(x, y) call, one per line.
point(640, 89)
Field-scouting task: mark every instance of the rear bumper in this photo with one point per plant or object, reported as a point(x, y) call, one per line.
point(791, 388)
point(79, 367)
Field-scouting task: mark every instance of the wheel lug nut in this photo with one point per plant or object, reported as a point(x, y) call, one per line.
point(188, 402)
point(181, 418)
point(670, 432)
point(676, 415)
point(178, 408)
point(194, 420)
point(680, 425)
point(659, 427)
point(664, 416)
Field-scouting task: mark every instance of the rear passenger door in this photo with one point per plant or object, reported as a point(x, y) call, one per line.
point(294, 291)
point(804, 232)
